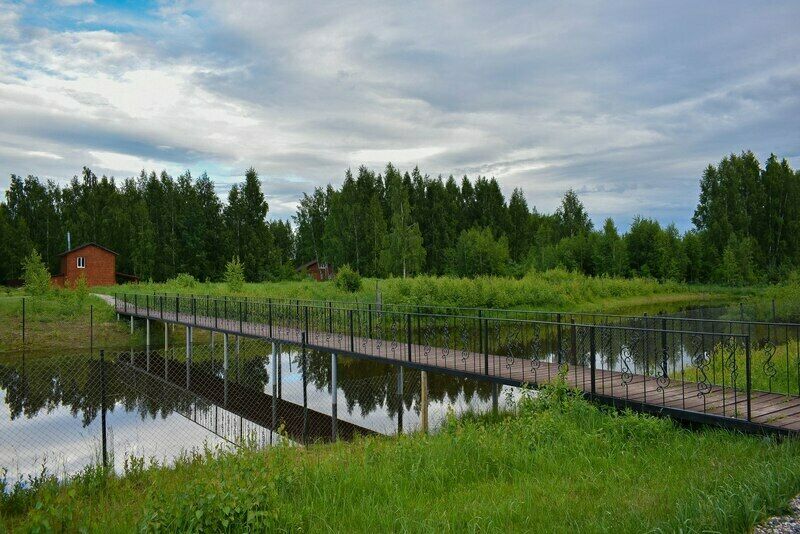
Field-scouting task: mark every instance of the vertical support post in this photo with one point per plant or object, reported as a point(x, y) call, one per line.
point(274, 379)
point(484, 327)
point(423, 409)
point(334, 395)
point(305, 390)
point(399, 400)
point(559, 356)
point(225, 365)
point(352, 344)
point(664, 349)
point(408, 334)
point(593, 356)
point(188, 355)
point(747, 370)
point(103, 407)
point(573, 342)
point(147, 344)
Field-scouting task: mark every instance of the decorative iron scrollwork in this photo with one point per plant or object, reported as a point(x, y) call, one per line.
point(700, 360)
point(513, 348)
point(394, 328)
point(769, 366)
point(428, 335)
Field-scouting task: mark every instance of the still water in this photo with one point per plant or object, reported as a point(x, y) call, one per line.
point(50, 404)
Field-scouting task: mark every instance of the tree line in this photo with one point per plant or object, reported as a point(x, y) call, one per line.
point(395, 223)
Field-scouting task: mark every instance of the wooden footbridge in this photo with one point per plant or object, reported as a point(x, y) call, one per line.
point(692, 373)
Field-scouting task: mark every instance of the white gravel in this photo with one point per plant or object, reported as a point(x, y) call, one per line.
point(784, 524)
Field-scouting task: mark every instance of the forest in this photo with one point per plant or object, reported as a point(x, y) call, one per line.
point(395, 223)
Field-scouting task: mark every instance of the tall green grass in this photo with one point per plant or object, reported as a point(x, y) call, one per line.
point(554, 290)
point(60, 319)
point(559, 464)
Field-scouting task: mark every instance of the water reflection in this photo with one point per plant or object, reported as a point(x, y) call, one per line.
point(51, 403)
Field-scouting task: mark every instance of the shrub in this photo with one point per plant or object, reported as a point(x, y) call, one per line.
point(234, 275)
point(348, 279)
point(35, 275)
point(184, 281)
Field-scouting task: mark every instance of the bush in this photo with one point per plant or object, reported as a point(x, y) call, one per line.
point(234, 275)
point(35, 275)
point(184, 281)
point(348, 279)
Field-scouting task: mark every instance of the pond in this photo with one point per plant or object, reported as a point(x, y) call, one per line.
point(50, 404)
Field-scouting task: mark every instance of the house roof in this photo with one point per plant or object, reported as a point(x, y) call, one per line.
point(91, 244)
point(305, 265)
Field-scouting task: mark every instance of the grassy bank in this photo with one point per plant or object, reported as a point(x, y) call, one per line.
point(551, 290)
point(559, 464)
point(58, 320)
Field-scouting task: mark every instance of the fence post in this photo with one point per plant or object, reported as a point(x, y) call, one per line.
point(408, 334)
point(352, 344)
point(747, 373)
point(103, 407)
point(23, 324)
point(664, 349)
point(274, 379)
point(334, 395)
point(558, 339)
point(485, 329)
point(593, 352)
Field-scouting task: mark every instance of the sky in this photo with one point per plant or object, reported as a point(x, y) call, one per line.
point(625, 102)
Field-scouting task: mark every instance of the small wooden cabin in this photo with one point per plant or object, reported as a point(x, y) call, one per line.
point(318, 271)
point(95, 262)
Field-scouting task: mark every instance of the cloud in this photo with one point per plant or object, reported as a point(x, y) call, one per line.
point(626, 103)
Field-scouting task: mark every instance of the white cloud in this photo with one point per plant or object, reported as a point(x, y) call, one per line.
point(625, 103)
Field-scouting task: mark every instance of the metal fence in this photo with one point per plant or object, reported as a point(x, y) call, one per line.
point(709, 374)
point(61, 411)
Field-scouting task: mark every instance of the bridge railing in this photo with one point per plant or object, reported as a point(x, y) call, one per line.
point(775, 345)
point(712, 372)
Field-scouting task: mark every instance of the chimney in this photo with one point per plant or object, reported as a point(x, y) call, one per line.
point(69, 242)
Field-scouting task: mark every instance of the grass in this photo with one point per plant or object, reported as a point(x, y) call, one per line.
point(551, 290)
point(558, 464)
point(59, 320)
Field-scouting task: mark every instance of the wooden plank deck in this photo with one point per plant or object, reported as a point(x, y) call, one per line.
point(774, 411)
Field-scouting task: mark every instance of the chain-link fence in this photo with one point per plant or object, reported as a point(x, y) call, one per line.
point(62, 411)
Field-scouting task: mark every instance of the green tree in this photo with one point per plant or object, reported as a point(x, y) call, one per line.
point(478, 252)
point(35, 275)
point(403, 252)
point(234, 275)
point(571, 216)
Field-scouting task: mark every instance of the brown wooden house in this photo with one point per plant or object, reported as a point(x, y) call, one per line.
point(94, 262)
point(318, 271)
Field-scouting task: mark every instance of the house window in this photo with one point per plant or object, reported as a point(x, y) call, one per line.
point(81, 262)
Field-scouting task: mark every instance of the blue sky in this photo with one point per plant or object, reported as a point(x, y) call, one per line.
point(626, 102)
